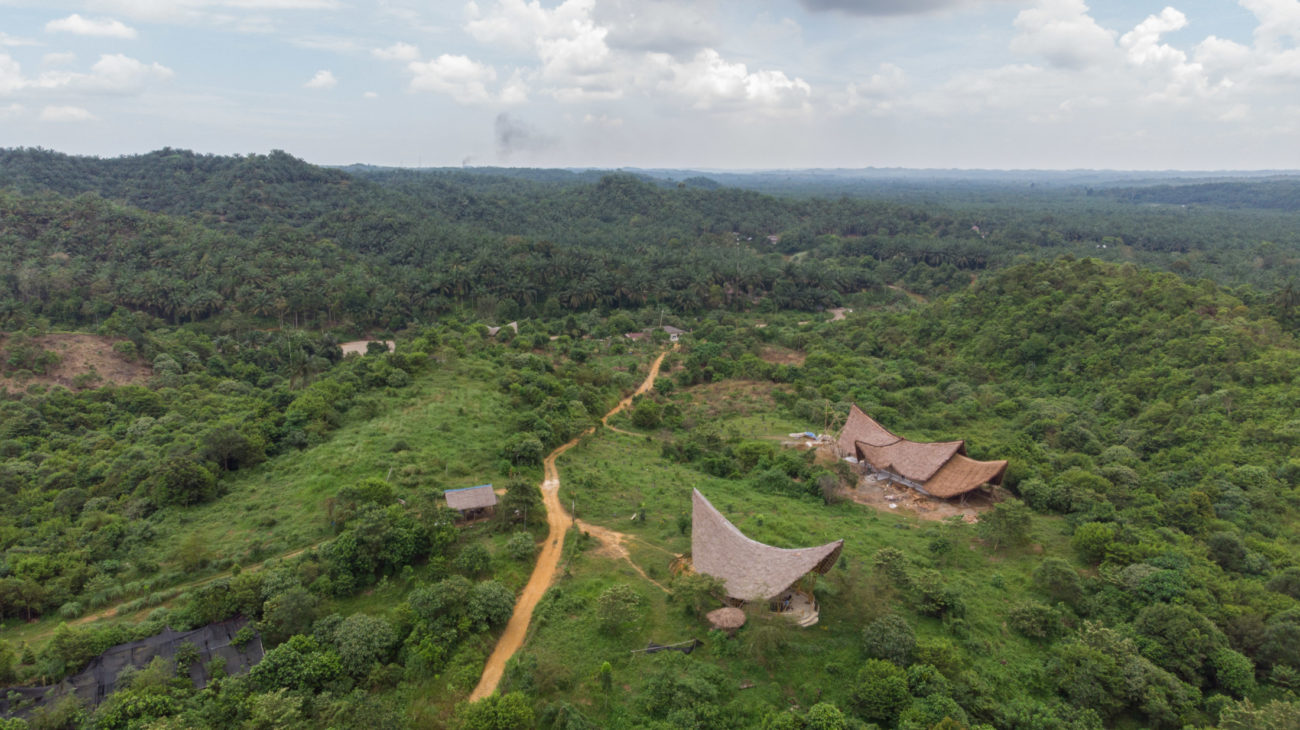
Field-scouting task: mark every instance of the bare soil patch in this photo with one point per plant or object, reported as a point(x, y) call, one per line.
point(888, 497)
point(781, 355)
point(359, 347)
point(80, 354)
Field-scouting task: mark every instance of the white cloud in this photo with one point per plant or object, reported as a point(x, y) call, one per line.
point(1181, 78)
point(332, 43)
point(576, 63)
point(12, 110)
point(879, 93)
point(118, 74)
point(370, 95)
point(112, 74)
point(888, 7)
point(460, 77)
point(58, 59)
point(66, 114)
point(516, 89)
point(101, 27)
point(323, 79)
point(667, 26)
point(245, 16)
point(602, 120)
point(1143, 42)
point(709, 82)
point(279, 4)
point(11, 75)
point(404, 52)
point(1215, 52)
point(11, 40)
point(1063, 32)
point(1278, 19)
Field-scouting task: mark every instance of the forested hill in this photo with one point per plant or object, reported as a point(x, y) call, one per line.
point(1279, 194)
point(380, 247)
point(243, 192)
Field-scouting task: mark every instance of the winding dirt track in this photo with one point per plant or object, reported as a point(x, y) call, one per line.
point(549, 557)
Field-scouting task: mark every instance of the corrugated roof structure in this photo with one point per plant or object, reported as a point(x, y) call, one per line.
point(941, 468)
point(471, 497)
point(749, 570)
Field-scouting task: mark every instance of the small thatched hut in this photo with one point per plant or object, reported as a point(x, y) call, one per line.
point(727, 618)
point(752, 571)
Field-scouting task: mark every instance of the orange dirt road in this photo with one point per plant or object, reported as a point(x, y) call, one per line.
point(549, 557)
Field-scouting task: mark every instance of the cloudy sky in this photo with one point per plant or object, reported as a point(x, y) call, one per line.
point(1048, 84)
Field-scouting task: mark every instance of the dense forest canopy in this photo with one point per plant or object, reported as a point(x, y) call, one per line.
point(1128, 344)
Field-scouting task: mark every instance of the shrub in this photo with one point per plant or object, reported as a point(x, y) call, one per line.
point(1091, 541)
point(617, 606)
point(521, 547)
point(880, 691)
point(1233, 672)
point(1035, 621)
point(889, 637)
point(473, 560)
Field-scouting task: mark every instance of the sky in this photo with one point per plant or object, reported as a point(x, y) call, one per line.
point(705, 84)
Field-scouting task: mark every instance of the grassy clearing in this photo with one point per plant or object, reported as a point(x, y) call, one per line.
point(612, 477)
point(443, 431)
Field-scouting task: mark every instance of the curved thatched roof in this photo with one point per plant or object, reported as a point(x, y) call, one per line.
point(861, 427)
point(912, 459)
point(941, 468)
point(749, 570)
point(962, 474)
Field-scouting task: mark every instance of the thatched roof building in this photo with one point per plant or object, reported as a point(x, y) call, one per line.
point(750, 570)
point(471, 500)
point(940, 469)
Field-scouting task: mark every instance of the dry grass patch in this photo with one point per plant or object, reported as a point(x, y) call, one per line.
point(781, 355)
point(85, 361)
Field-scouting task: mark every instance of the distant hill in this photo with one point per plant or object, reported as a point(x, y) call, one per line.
point(1277, 194)
point(244, 192)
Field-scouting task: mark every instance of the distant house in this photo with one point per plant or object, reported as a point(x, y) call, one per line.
point(939, 469)
point(492, 331)
point(472, 502)
point(672, 332)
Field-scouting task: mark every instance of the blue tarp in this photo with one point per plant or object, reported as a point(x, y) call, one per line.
point(465, 489)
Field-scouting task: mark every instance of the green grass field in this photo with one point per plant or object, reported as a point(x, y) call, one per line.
point(613, 476)
point(442, 431)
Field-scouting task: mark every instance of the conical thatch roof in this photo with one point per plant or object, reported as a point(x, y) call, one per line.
point(941, 468)
point(727, 618)
point(749, 570)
